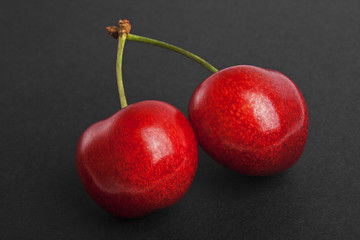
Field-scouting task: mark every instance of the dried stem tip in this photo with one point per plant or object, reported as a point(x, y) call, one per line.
point(123, 28)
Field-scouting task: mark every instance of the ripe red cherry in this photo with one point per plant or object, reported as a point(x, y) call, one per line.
point(141, 159)
point(251, 120)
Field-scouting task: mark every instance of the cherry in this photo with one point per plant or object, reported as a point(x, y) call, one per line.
point(142, 158)
point(250, 119)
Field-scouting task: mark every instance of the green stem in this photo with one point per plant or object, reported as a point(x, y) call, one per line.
point(120, 84)
point(190, 55)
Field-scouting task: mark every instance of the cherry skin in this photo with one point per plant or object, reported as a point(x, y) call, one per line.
point(250, 119)
point(141, 159)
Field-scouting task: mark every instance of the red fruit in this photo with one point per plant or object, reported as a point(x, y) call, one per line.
point(251, 120)
point(141, 159)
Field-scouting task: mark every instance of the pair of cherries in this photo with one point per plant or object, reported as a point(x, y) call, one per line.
point(144, 157)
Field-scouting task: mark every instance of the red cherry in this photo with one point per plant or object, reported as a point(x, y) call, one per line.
point(251, 120)
point(141, 159)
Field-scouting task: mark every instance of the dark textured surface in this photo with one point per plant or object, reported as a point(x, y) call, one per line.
point(58, 77)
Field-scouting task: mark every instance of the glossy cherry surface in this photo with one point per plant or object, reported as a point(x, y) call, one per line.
point(141, 159)
point(250, 119)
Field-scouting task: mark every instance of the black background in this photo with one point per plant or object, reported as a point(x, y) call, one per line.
point(58, 77)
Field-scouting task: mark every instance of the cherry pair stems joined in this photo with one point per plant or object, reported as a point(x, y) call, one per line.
point(122, 33)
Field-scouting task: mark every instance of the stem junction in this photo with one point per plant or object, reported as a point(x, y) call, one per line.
point(122, 32)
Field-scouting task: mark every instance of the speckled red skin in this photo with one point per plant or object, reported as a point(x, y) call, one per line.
point(250, 119)
point(141, 159)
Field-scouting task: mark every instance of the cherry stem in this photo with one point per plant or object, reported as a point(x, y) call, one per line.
point(122, 32)
point(121, 44)
point(188, 54)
